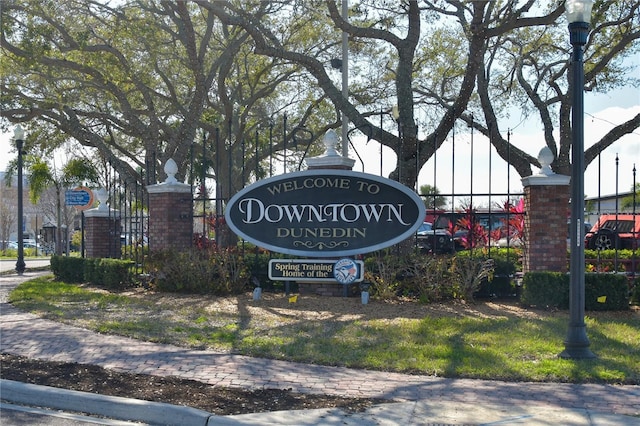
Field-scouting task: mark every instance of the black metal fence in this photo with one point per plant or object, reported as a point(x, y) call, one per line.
point(288, 153)
point(475, 219)
point(494, 210)
point(615, 221)
point(128, 201)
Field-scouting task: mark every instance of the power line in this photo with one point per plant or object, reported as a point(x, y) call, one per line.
point(593, 117)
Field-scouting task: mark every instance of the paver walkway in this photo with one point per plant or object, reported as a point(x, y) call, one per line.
point(27, 335)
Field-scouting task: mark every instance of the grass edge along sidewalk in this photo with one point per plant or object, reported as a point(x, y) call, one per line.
point(486, 340)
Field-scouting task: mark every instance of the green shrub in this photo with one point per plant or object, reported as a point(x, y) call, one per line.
point(233, 273)
point(68, 269)
point(499, 286)
point(113, 273)
point(187, 272)
point(383, 271)
point(506, 262)
point(551, 290)
point(606, 292)
point(428, 278)
point(110, 273)
point(9, 252)
point(91, 270)
point(198, 271)
point(635, 292)
point(545, 289)
point(257, 264)
point(468, 273)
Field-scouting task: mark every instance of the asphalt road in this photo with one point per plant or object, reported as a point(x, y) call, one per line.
point(9, 265)
point(16, 415)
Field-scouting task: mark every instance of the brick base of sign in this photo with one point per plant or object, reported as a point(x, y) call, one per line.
point(329, 289)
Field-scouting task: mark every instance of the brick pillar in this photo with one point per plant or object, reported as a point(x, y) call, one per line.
point(170, 213)
point(102, 230)
point(546, 202)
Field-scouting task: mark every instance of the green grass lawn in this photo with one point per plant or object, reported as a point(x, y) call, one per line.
point(496, 347)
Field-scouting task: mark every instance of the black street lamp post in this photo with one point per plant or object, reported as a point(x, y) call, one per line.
point(577, 343)
point(18, 136)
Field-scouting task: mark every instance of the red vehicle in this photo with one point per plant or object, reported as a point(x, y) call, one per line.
point(614, 231)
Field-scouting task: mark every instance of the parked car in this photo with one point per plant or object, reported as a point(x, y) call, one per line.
point(621, 231)
point(10, 245)
point(32, 246)
point(26, 245)
point(430, 240)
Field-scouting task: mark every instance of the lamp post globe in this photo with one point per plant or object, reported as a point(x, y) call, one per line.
point(578, 13)
point(18, 137)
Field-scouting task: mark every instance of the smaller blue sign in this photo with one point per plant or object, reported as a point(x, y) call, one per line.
point(310, 270)
point(77, 198)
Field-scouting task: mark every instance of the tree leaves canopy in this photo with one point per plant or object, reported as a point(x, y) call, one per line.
point(142, 81)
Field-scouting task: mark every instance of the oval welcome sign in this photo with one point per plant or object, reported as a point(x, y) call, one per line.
point(325, 213)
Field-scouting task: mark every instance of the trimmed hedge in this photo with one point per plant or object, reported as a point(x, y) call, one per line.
point(605, 260)
point(614, 287)
point(68, 269)
point(603, 292)
point(109, 273)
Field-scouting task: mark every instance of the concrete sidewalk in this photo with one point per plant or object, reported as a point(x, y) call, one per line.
point(423, 399)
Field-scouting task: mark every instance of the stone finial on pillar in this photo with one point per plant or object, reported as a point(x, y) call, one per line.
point(101, 195)
point(330, 141)
point(545, 157)
point(171, 168)
point(330, 159)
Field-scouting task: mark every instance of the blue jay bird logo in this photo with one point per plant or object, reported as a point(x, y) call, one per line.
point(345, 271)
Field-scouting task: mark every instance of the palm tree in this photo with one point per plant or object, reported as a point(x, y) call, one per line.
point(43, 177)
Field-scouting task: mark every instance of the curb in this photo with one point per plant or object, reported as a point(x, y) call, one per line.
point(112, 407)
point(392, 414)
